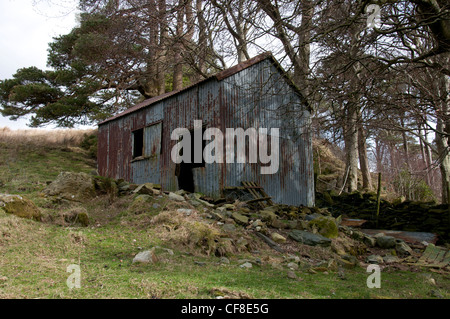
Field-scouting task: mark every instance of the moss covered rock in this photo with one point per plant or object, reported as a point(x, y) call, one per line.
point(76, 216)
point(19, 206)
point(72, 186)
point(326, 226)
point(267, 215)
point(239, 218)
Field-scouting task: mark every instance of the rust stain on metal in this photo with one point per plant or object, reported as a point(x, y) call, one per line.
point(250, 94)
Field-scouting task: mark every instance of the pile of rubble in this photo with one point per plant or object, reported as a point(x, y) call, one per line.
point(286, 229)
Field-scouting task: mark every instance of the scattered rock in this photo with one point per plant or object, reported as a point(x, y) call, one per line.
point(369, 241)
point(374, 259)
point(320, 269)
point(146, 189)
point(332, 265)
point(239, 218)
point(77, 215)
point(291, 275)
point(142, 198)
point(276, 223)
point(312, 217)
point(358, 235)
point(158, 249)
point(258, 223)
point(19, 206)
point(308, 238)
point(200, 263)
point(267, 215)
point(145, 257)
point(246, 265)
point(292, 265)
point(194, 203)
point(229, 228)
point(347, 262)
point(386, 242)
point(176, 197)
point(402, 248)
point(326, 226)
point(229, 206)
point(390, 259)
point(185, 211)
point(72, 186)
point(278, 238)
point(269, 241)
point(242, 242)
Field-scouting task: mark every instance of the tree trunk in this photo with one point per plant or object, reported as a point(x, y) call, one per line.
point(162, 50)
point(379, 154)
point(202, 41)
point(178, 59)
point(405, 146)
point(363, 159)
point(351, 147)
point(442, 142)
point(429, 159)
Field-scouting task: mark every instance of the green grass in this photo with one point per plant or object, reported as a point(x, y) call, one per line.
point(26, 168)
point(34, 256)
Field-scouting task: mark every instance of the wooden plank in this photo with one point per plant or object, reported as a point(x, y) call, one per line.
point(258, 199)
point(264, 194)
point(269, 242)
point(434, 256)
point(253, 192)
point(258, 193)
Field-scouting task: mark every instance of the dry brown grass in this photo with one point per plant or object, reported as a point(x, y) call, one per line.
point(197, 235)
point(41, 137)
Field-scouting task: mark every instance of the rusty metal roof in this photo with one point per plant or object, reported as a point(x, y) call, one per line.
point(218, 76)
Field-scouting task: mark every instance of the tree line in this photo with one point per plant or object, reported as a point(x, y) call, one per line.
point(379, 92)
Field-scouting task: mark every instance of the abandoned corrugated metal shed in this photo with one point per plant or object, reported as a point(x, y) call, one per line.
point(136, 144)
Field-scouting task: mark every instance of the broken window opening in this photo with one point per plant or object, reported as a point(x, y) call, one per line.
point(138, 143)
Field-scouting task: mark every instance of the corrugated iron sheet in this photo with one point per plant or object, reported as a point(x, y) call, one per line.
point(252, 95)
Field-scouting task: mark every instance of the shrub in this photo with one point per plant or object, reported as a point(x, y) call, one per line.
point(89, 143)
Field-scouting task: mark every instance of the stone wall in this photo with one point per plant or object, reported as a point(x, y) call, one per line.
point(405, 216)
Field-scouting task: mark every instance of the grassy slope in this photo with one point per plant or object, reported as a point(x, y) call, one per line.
point(35, 256)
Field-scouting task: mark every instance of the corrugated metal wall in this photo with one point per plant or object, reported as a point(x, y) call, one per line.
point(257, 96)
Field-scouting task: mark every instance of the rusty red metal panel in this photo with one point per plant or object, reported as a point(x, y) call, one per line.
point(102, 150)
point(249, 95)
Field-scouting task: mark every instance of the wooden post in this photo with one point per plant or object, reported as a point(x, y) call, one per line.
point(378, 196)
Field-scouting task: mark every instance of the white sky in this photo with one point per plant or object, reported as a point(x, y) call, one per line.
point(26, 28)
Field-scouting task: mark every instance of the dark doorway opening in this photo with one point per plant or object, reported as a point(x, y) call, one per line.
point(186, 177)
point(185, 173)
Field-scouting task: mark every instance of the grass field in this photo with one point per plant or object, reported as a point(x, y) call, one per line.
point(34, 256)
